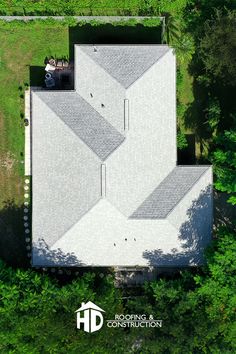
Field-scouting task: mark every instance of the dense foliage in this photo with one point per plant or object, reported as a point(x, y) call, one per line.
point(38, 316)
point(198, 311)
point(223, 159)
point(85, 7)
point(218, 48)
point(217, 51)
point(181, 141)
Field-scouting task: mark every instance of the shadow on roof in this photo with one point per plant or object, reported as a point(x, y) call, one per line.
point(43, 256)
point(192, 235)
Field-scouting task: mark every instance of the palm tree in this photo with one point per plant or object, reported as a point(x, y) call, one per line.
point(184, 48)
point(181, 42)
point(171, 31)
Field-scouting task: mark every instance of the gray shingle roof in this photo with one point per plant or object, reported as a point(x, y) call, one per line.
point(169, 192)
point(126, 63)
point(95, 131)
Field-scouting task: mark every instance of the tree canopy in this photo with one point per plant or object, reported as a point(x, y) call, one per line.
point(218, 47)
point(197, 309)
point(223, 159)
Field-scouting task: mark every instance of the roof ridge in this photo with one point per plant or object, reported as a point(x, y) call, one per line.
point(181, 198)
point(74, 133)
point(189, 189)
point(101, 67)
point(77, 221)
point(126, 87)
point(145, 71)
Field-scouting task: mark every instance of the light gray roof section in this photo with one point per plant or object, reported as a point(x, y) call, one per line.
point(125, 63)
point(99, 135)
point(169, 192)
point(66, 175)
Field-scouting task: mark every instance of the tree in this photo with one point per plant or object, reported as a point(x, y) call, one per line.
point(218, 47)
point(223, 158)
point(37, 313)
point(184, 48)
point(182, 42)
point(213, 114)
point(197, 308)
point(181, 141)
point(198, 311)
point(172, 30)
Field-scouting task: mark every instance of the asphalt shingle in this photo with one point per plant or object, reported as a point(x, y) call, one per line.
point(126, 63)
point(169, 192)
point(95, 131)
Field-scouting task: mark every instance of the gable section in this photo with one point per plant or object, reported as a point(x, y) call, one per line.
point(169, 192)
point(99, 135)
point(125, 63)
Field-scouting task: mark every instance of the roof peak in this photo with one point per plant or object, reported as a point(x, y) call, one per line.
point(125, 63)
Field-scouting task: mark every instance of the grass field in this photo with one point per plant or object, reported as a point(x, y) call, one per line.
point(20, 48)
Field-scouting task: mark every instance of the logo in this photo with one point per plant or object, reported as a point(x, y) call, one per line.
point(90, 315)
point(90, 318)
point(134, 320)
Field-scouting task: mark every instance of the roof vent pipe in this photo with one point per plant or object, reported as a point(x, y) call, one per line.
point(95, 49)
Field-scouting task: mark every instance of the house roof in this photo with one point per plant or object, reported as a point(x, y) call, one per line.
point(95, 131)
point(73, 222)
point(89, 305)
point(66, 182)
point(169, 192)
point(125, 63)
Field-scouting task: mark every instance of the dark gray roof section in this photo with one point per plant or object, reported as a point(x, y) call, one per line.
point(169, 192)
point(98, 134)
point(125, 63)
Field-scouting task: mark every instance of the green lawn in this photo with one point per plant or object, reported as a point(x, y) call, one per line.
point(20, 48)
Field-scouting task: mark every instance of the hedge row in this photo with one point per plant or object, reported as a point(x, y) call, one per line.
point(90, 7)
point(71, 22)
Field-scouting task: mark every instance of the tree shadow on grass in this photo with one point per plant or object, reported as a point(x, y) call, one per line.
point(206, 87)
point(12, 238)
point(109, 34)
point(224, 212)
point(195, 115)
point(194, 234)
